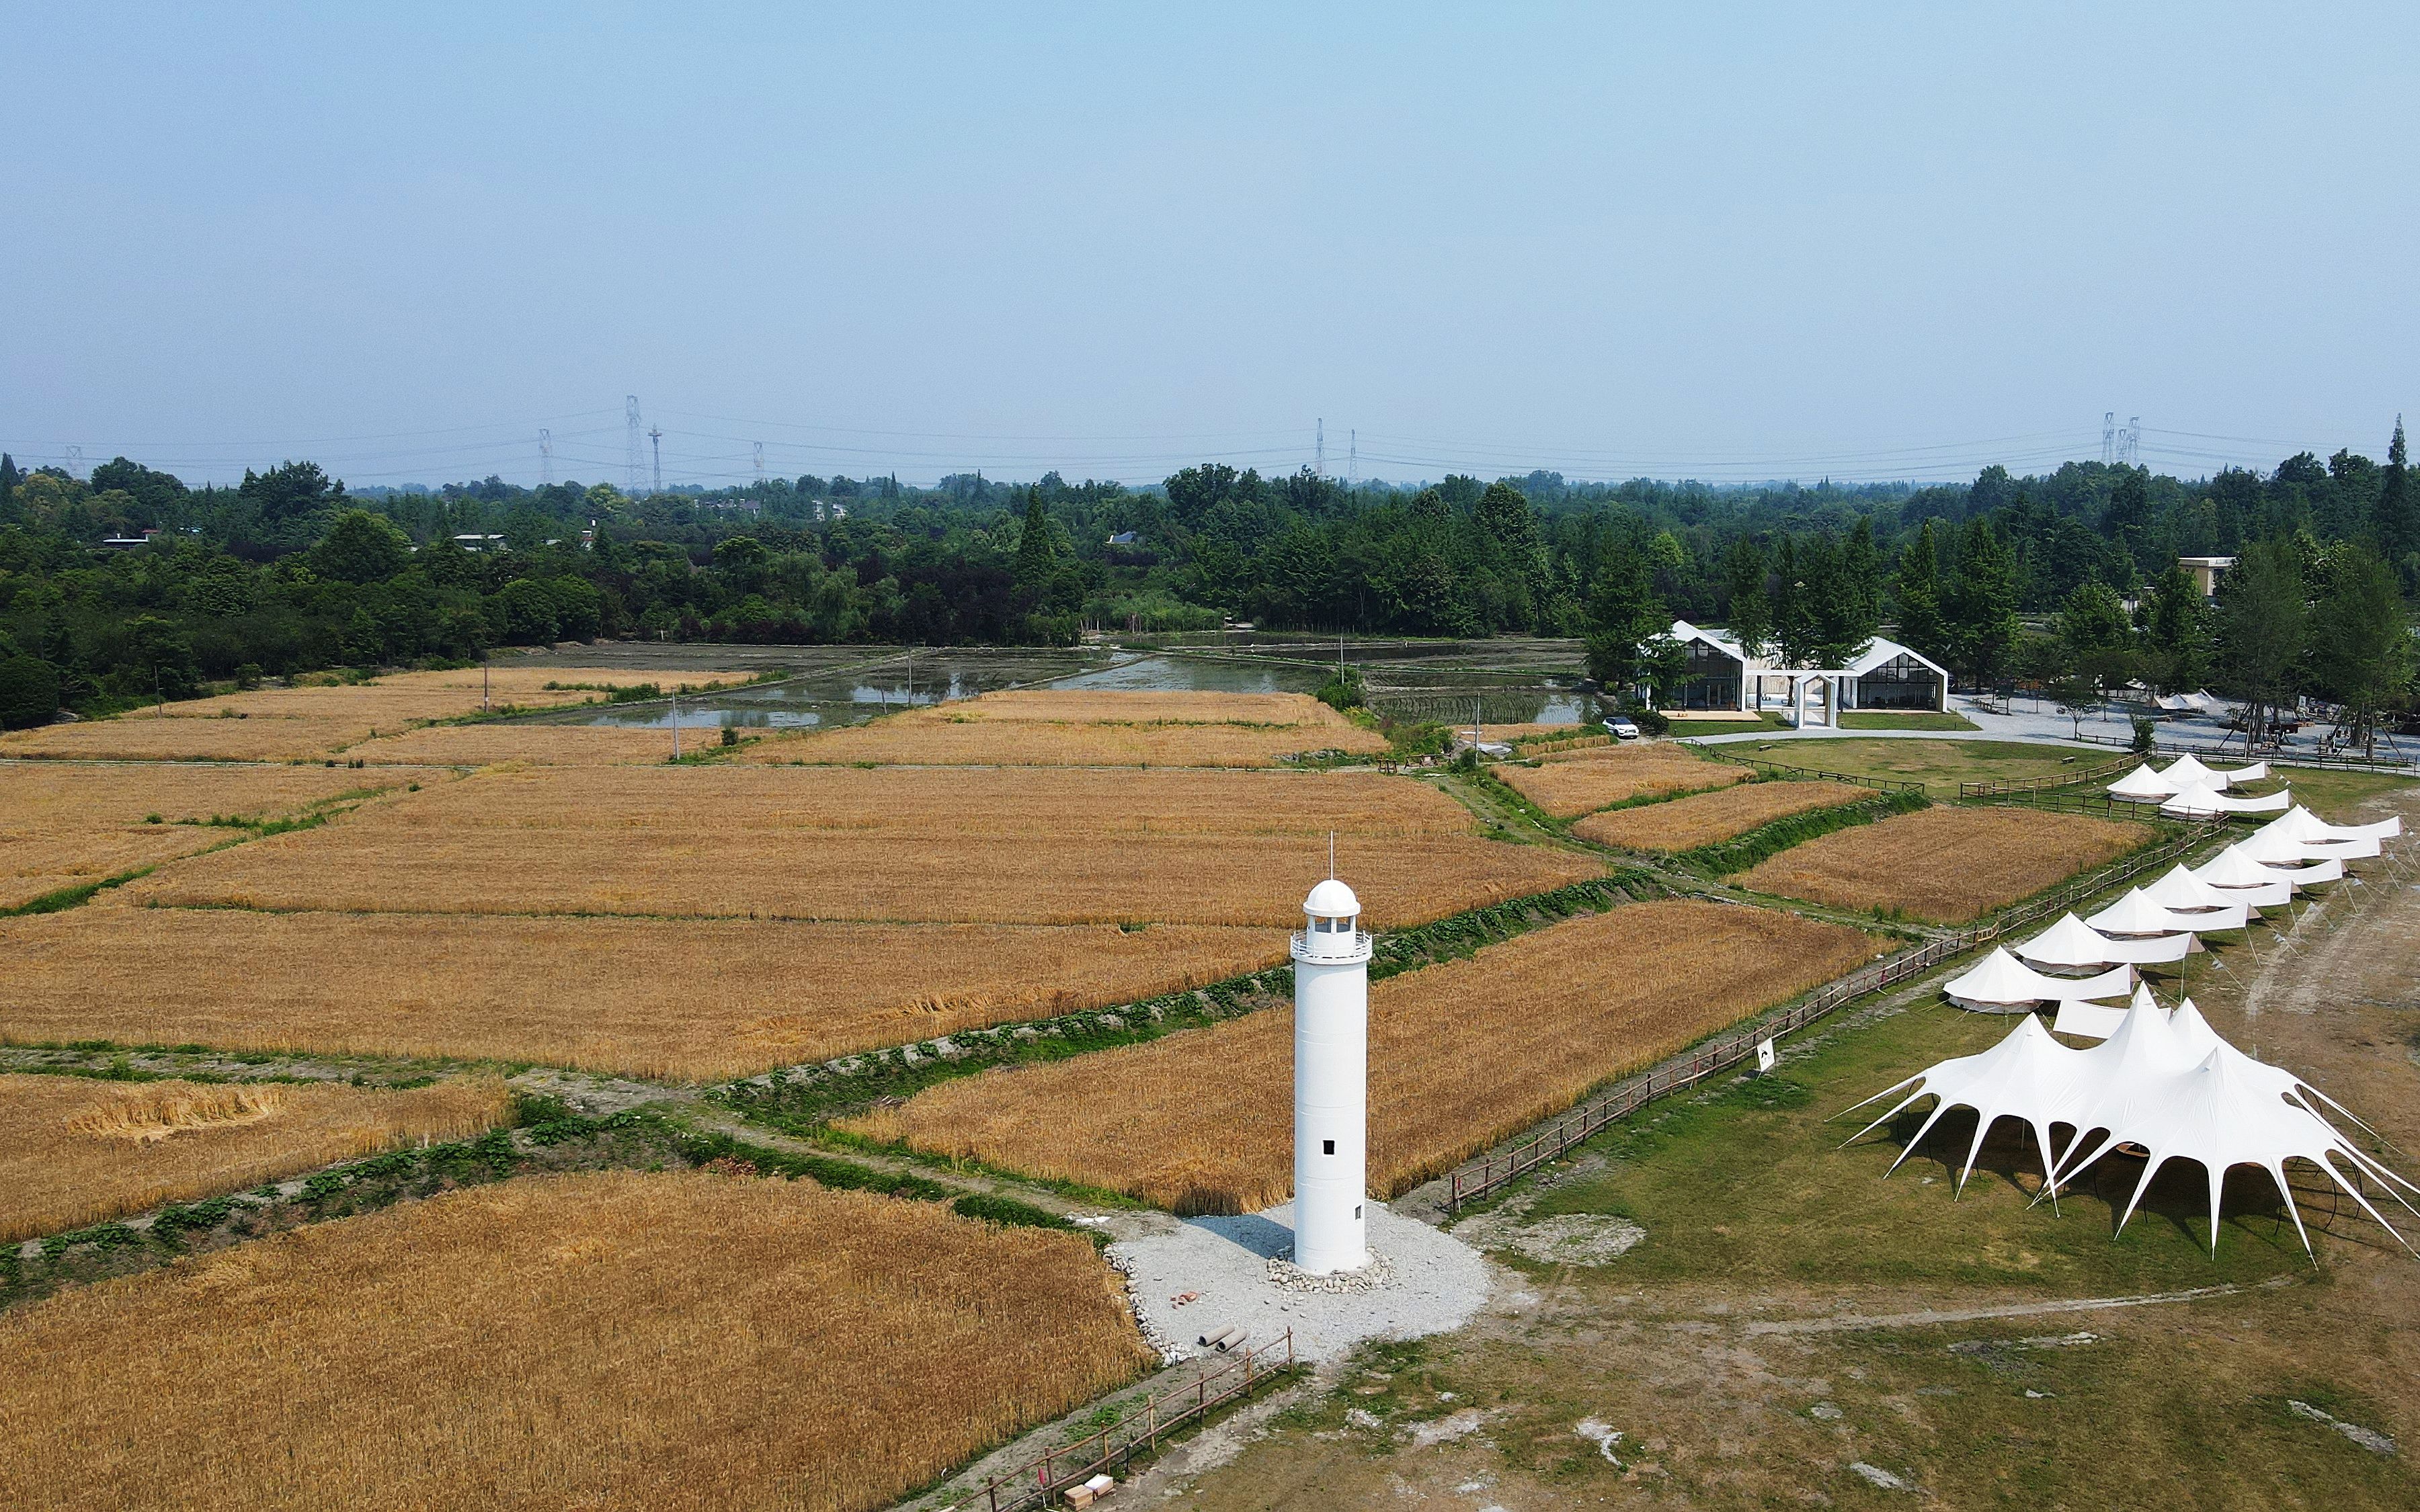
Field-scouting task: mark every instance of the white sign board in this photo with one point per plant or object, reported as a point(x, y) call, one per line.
point(1764, 1056)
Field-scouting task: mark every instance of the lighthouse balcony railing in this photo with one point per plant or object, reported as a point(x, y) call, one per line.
point(1323, 945)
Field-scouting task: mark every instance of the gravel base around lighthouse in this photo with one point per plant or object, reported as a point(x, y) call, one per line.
point(1438, 1283)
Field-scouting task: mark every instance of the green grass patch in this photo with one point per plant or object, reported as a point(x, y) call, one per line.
point(1939, 765)
point(1904, 719)
point(1746, 725)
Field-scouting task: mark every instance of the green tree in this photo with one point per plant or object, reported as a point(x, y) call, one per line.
point(2095, 636)
point(1982, 610)
point(2397, 531)
point(1624, 613)
point(361, 548)
point(2263, 620)
point(29, 692)
point(1037, 554)
point(1751, 611)
point(1794, 613)
point(2176, 633)
point(1916, 587)
point(2361, 640)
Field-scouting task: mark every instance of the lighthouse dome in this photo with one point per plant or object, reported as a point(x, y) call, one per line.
point(1331, 899)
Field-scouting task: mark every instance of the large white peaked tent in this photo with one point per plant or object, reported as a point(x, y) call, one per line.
point(2187, 771)
point(2073, 944)
point(2168, 1086)
point(2088, 1021)
point(2300, 864)
point(2001, 983)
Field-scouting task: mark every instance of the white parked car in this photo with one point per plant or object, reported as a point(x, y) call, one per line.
point(1621, 728)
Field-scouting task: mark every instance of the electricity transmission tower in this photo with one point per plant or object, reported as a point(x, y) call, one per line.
point(2130, 442)
point(760, 462)
point(2108, 437)
point(1352, 458)
point(656, 443)
point(632, 460)
point(545, 457)
point(75, 462)
point(1319, 449)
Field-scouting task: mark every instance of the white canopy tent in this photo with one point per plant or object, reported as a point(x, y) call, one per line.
point(2001, 983)
point(2301, 864)
point(2187, 771)
point(2167, 1085)
point(2183, 893)
point(2076, 945)
point(2142, 786)
point(2303, 824)
point(2205, 802)
point(2320, 840)
point(2232, 871)
point(2136, 914)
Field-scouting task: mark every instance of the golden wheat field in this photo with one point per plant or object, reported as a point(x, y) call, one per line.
point(314, 722)
point(1461, 1055)
point(1200, 848)
point(672, 1343)
point(1047, 728)
point(1570, 783)
point(65, 824)
point(1707, 817)
point(74, 1150)
point(1945, 864)
point(685, 999)
point(486, 744)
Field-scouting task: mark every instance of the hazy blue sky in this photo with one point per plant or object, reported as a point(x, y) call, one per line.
point(1726, 241)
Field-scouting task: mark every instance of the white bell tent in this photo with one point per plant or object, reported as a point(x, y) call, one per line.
point(2322, 840)
point(2187, 771)
point(2167, 1085)
point(2205, 802)
point(2301, 864)
point(2073, 944)
point(2259, 886)
point(2136, 914)
point(2142, 786)
point(2183, 893)
point(2001, 983)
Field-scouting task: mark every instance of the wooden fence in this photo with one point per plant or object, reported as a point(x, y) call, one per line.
point(1480, 1176)
point(2006, 787)
point(1039, 1481)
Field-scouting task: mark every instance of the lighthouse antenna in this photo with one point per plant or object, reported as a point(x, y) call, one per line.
point(1331, 856)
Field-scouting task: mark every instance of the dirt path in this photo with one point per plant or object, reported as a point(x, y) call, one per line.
point(1848, 1321)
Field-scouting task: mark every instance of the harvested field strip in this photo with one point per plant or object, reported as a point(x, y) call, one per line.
point(671, 1341)
point(1572, 783)
point(1461, 1056)
point(74, 1150)
point(691, 1000)
point(717, 802)
point(1684, 824)
point(67, 825)
point(1724, 856)
point(1049, 728)
point(994, 847)
point(489, 742)
point(1191, 879)
point(312, 723)
point(1944, 865)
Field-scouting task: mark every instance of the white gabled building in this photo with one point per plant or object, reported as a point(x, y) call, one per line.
point(1887, 676)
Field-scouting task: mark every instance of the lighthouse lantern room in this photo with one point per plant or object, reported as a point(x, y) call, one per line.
point(1331, 1082)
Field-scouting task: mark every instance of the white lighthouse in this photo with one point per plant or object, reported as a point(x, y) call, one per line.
point(1331, 1082)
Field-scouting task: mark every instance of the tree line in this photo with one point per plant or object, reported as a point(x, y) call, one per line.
point(289, 571)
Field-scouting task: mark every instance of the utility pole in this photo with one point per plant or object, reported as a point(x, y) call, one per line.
point(676, 727)
point(1352, 458)
point(632, 460)
point(655, 442)
point(545, 457)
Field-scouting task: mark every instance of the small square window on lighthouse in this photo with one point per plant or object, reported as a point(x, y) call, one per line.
point(1328, 1147)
